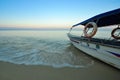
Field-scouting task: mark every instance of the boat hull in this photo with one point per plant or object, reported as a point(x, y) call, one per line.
point(104, 53)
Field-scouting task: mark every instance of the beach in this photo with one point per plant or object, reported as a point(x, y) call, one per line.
point(35, 43)
point(9, 71)
point(48, 55)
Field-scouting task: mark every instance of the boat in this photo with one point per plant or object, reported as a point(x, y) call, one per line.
point(106, 50)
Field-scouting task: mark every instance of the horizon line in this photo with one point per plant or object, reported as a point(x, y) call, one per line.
point(14, 28)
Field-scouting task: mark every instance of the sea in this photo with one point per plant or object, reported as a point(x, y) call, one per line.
point(43, 47)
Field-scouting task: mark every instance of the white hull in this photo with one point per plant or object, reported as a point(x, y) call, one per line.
point(103, 53)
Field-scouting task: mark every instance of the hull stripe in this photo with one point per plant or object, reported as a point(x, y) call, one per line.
point(116, 54)
point(74, 41)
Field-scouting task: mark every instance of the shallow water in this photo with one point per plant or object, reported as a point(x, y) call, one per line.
point(50, 48)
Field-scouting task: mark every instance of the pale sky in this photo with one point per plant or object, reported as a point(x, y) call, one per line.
point(51, 13)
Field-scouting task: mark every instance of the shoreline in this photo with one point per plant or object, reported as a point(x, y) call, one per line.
point(10, 71)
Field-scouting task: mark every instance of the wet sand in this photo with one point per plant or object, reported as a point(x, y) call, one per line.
point(99, 71)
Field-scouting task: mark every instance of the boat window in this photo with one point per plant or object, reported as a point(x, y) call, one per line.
point(97, 46)
point(88, 44)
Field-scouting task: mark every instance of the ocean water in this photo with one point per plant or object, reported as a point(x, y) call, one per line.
point(48, 48)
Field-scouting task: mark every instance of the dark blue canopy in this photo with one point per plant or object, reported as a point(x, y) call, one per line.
point(105, 19)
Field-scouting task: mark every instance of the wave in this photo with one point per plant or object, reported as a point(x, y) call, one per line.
point(36, 51)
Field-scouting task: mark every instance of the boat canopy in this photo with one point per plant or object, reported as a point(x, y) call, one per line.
point(104, 19)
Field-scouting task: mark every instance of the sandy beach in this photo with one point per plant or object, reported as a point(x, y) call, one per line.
point(10, 71)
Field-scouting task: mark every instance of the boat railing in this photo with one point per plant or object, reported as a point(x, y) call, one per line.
point(108, 42)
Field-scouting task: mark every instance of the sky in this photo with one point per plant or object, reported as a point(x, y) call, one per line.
point(51, 13)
